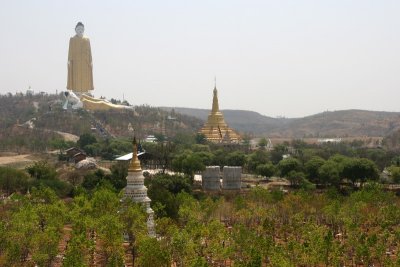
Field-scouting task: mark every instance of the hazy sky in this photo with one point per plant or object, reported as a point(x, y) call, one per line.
point(279, 58)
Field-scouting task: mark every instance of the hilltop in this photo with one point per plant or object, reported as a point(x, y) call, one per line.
point(344, 123)
point(36, 122)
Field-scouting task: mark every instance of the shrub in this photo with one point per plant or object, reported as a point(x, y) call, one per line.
point(12, 180)
point(42, 170)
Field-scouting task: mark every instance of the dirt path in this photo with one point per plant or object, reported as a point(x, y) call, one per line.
point(62, 246)
point(128, 255)
point(68, 136)
point(98, 257)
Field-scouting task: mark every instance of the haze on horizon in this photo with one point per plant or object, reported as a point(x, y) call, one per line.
point(279, 58)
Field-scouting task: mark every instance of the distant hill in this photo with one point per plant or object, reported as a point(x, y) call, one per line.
point(44, 112)
point(344, 123)
point(32, 122)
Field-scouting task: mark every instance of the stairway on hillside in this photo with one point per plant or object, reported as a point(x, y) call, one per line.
point(100, 128)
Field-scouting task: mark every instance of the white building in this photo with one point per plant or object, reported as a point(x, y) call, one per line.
point(150, 139)
point(329, 140)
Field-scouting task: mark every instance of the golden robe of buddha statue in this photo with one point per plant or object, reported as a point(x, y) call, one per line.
point(80, 68)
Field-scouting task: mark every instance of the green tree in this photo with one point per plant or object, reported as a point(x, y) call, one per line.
point(256, 158)
point(312, 167)
point(133, 218)
point(162, 189)
point(76, 252)
point(118, 175)
point(220, 157)
point(97, 149)
point(329, 173)
point(86, 139)
point(61, 144)
point(285, 166)
point(236, 158)
point(109, 229)
point(43, 194)
point(93, 179)
point(104, 201)
point(359, 170)
point(189, 163)
point(173, 183)
point(266, 170)
point(396, 161)
point(152, 254)
point(277, 153)
point(63, 189)
point(263, 143)
point(395, 173)
point(12, 180)
point(192, 164)
point(23, 223)
point(184, 139)
point(295, 178)
point(205, 157)
point(42, 170)
point(161, 153)
point(45, 246)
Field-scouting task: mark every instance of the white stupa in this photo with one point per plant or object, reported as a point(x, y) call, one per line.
point(136, 190)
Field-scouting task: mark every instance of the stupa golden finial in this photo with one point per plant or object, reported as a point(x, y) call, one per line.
point(135, 163)
point(215, 105)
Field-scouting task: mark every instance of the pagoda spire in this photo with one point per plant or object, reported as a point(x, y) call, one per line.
point(135, 163)
point(215, 105)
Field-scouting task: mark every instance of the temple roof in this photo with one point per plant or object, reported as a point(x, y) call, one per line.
point(129, 156)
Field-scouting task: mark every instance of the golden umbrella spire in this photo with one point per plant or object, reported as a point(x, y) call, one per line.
point(215, 105)
point(135, 163)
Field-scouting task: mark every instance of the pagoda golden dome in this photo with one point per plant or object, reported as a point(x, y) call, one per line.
point(216, 130)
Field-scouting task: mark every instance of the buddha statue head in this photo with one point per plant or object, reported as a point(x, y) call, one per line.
point(79, 29)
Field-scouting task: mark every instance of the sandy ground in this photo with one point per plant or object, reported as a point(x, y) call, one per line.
point(17, 159)
point(68, 136)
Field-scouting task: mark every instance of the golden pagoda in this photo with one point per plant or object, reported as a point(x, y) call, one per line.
point(215, 129)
